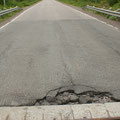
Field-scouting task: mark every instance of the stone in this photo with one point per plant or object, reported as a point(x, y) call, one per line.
point(85, 99)
point(37, 104)
point(82, 100)
point(45, 103)
point(50, 98)
point(59, 102)
point(73, 98)
point(62, 99)
point(65, 93)
point(52, 93)
point(96, 99)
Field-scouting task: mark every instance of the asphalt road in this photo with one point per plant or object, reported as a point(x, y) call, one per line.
point(52, 45)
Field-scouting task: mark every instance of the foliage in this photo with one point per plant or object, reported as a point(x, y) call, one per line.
point(13, 3)
point(98, 3)
point(113, 4)
point(20, 3)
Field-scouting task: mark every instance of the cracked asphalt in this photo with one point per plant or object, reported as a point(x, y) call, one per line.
point(52, 45)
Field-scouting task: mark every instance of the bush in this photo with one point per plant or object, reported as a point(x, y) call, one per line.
point(112, 2)
point(20, 3)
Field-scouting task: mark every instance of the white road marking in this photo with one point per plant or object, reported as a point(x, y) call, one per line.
point(91, 17)
point(65, 6)
point(18, 16)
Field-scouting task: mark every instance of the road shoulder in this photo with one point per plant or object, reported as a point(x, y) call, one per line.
point(16, 14)
point(101, 18)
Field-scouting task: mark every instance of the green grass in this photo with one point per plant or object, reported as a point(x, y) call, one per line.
point(113, 4)
point(4, 17)
point(14, 3)
point(78, 3)
point(19, 3)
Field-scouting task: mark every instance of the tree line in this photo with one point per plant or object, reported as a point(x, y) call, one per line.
point(15, 2)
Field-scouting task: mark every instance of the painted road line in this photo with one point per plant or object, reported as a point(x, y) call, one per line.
point(68, 6)
point(19, 15)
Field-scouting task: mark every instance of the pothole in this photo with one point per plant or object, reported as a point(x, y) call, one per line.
point(58, 97)
point(74, 94)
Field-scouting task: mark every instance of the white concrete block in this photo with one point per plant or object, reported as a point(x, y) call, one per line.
point(113, 109)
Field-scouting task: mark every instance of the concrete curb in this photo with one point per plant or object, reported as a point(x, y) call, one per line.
point(61, 112)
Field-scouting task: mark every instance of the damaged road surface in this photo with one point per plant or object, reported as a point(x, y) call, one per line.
point(69, 95)
point(53, 46)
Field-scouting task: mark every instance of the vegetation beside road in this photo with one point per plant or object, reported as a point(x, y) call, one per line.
point(19, 3)
point(109, 4)
point(14, 3)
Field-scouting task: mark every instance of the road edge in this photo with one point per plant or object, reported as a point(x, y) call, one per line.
point(62, 112)
point(112, 23)
point(7, 21)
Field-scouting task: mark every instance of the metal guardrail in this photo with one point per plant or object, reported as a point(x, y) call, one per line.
point(105, 11)
point(3, 12)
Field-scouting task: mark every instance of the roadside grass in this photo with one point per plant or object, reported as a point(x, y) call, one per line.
point(102, 4)
point(20, 4)
point(78, 3)
point(5, 17)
